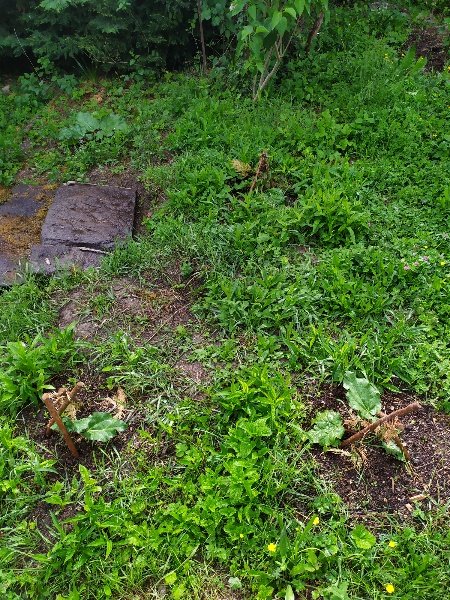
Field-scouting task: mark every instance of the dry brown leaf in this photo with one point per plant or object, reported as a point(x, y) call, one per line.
point(418, 498)
point(244, 169)
point(359, 456)
point(118, 401)
point(345, 453)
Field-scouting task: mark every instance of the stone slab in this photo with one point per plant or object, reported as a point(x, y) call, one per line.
point(8, 270)
point(47, 259)
point(90, 216)
point(25, 201)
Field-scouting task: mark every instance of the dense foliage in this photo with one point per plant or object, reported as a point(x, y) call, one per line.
point(123, 35)
point(113, 34)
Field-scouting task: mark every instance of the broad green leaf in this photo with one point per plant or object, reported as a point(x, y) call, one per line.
point(87, 121)
point(283, 544)
point(252, 11)
point(289, 593)
point(257, 428)
point(362, 396)
point(328, 429)
point(335, 591)
point(100, 427)
point(234, 583)
point(237, 7)
point(291, 11)
point(247, 30)
point(362, 538)
point(392, 448)
point(170, 578)
point(276, 18)
point(299, 6)
point(282, 26)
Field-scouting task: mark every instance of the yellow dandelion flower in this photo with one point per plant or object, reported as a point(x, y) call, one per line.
point(443, 263)
point(272, 547)
point(392, 544)
point(241, 535)
point(389, 588)
point(316, 521)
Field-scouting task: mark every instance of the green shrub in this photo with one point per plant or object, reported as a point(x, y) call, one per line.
point(332, 219)
point(27, 367)
point(113, 34)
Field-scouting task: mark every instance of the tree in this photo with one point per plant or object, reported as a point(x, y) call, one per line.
point(272, 26)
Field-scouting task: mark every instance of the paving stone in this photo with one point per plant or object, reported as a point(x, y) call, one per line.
point(47, 259)
point(90, 216)
point(9, 268)
point(24, 201)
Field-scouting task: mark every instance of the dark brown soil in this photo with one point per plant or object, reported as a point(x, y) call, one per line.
point(431, 44)
point(372, 482)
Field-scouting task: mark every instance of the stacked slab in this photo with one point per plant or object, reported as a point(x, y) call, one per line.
point(83, 223)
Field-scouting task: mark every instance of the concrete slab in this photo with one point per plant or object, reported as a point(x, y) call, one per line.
point(47, 259)
point(89, 216)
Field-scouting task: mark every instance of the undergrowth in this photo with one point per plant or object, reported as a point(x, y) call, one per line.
point(335, 258)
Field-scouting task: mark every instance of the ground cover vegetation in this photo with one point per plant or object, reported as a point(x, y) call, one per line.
point(290, 273)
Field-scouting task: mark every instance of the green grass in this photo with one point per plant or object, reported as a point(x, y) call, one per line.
point(339, 260)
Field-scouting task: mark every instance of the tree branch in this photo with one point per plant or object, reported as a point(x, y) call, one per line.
point(397, 413)
point(314, 31)
point(202, 36)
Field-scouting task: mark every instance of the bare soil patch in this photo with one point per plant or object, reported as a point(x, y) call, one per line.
point(372, 482)
point(149, 312)
point(431, 44)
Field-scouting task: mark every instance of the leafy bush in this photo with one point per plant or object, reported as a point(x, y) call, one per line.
point(270, 28)
point(332, 219)
point(19, 464)
point(114, 34)
point(93, 126)
point(27, 367)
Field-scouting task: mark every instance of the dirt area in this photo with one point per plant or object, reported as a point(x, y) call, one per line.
point(373, 483)
point(150, 312)
point(4, 193)
point(431, 44)
point(19, 232)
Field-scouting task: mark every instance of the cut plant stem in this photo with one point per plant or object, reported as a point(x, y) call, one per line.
point(46, 398)
point(70, 397)
point(397, 413)
point(263, 166)
point(398, 441)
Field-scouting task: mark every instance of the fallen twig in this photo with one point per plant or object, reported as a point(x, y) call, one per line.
point(397, 413)
point(95, 250)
